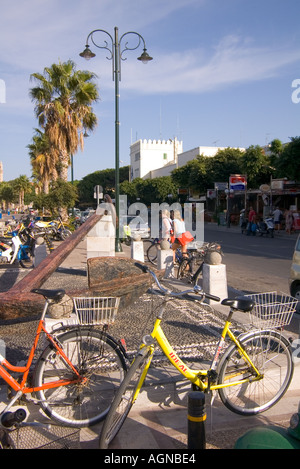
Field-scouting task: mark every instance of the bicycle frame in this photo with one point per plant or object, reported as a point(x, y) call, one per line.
point(196, 376)
point(21, 387)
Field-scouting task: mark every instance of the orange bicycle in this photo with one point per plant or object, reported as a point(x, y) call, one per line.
point(75, 377)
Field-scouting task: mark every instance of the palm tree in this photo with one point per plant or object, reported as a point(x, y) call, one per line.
point(43, 160)
point(22, 186)
point(63, 100)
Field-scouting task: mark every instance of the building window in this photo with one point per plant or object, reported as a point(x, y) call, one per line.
point(137, 156)
point(165, 156)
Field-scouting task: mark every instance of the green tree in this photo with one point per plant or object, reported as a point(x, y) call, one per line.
point(202, 172)
point(156, 190)
point(63, 101)
point(255, 164)
point(193, 175)
point(6, 194)
point(62, 195)
point(289, 161)
point(225, 163)
point(104, 178)
point(22, 186)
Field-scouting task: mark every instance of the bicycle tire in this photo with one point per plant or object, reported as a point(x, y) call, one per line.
point(146, 245)
point(27, 259)
point(197, 274)
point(99, 359)
point(125, 398)
point(183, 270)
point(152, 252)
point(271, 354)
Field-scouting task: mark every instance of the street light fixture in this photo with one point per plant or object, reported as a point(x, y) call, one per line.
point(114, 46)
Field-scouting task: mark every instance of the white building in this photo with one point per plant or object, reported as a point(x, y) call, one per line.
point(1, 171)
point(156, 158)
point(147, 156)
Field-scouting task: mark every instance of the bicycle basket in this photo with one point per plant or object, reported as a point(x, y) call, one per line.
point(41, 437)
point(96, 310)
point(272, 309)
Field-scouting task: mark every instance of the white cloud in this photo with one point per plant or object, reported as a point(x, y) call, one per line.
point(232, 61)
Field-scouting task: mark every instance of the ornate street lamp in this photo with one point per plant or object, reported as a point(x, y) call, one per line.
point(114, 46)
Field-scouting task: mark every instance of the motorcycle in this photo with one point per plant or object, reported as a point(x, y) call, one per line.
point(266, 227)
point(55, 229)
point(16, 250)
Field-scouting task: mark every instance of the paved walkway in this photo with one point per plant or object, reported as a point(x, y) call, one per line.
point(158, 420)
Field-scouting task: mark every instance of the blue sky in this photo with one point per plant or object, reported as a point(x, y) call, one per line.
point(222, 73)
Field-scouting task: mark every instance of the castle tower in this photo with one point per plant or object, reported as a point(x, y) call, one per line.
point(1, 171)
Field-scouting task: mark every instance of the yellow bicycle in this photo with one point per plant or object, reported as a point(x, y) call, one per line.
point(251, 375)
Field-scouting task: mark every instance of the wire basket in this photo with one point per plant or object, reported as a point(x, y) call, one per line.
point(96, 310)
point(41, 437)
point(272, 309)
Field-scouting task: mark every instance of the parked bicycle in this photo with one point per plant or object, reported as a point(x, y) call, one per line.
point(152, 247)
point(191, 267)
point(251, 375)
point(76, 376)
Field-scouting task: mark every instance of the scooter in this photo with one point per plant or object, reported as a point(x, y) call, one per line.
point(15, 249)
point(266, 227)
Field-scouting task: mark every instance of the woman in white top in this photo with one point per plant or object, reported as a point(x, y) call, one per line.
point(179, 229)
point(167, 227)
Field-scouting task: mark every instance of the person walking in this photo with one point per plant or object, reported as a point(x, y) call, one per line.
point(251, 221)
point(289, 221)
point(277, 214)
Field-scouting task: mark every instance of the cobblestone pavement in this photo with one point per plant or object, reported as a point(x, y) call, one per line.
point(158, 419)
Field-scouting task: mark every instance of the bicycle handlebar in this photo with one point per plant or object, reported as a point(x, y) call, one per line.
point(196, 289)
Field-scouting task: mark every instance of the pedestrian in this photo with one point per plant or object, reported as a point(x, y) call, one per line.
point(277, 214)
point(251, 222)
point(179, 229)
point(167, 226)
point(289, 221)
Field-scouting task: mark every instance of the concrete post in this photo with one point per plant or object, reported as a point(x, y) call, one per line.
point(137, 251)
point(215, 281)
point(101, 238)
point(165, 262)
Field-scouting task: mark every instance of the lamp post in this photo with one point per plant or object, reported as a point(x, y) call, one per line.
point(114, 46)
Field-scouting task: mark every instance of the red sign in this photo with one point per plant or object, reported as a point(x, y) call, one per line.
point(237, 182)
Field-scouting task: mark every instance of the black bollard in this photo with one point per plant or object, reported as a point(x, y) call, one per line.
point(196, 420)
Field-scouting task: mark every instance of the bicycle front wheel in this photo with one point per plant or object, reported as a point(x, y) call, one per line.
point(125, 397)
point(271, 354)
point(98, 359)
point(152, 253)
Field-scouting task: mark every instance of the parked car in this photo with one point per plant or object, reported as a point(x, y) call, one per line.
point(85, 215)
point(77, 212)
point(294, 280)
point(136, 225)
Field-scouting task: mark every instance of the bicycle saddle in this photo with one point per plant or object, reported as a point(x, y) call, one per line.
point(55, 295)
point(241, 304)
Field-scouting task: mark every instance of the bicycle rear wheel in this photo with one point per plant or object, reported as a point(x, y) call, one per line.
point(125, 397)
point(99, 359)
point(271, 353)
point(183, 269)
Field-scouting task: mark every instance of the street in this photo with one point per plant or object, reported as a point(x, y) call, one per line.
point(254, 263)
